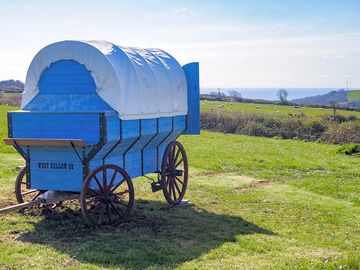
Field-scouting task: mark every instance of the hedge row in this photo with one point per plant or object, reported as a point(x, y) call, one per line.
point(339, 130)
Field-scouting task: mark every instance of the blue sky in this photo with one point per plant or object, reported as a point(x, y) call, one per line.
point(238, 43)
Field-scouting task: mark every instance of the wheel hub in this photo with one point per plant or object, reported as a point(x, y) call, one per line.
point(108, 196)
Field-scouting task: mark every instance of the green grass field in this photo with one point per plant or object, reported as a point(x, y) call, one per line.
point(270, 109)
point(352, 95)
point(256, 203)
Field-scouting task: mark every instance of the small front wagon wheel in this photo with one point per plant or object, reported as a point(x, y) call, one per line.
point(174, 173)
point(107, 196)
point(22, 193)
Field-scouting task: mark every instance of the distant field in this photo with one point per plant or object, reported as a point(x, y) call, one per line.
point(269, 109)
point(352, 95)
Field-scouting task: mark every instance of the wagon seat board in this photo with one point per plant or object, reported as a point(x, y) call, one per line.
point(68, 102)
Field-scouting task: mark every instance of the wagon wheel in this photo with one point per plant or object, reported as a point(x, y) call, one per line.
point(22, 193)
point(174, 173)
point(107, 196)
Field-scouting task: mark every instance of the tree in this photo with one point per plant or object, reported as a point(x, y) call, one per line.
point(235, 95)
point(334, 107)
point(221, 94)
point(218, 95)
point(283, 94)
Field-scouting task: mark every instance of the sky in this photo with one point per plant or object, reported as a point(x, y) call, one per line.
point(262, 43)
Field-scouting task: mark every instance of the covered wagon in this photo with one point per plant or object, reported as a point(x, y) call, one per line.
point(93, 116)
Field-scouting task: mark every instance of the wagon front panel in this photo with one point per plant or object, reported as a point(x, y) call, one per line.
point(56, 167)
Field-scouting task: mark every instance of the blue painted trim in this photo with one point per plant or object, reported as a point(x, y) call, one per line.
point(193, 117)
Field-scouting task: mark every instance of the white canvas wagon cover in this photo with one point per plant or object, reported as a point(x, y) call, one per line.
point(137, 83)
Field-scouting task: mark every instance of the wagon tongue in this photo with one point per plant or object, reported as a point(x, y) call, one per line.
point(20, 206)
point(49, 197)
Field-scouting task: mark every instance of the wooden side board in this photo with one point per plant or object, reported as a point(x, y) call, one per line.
point(45, 142)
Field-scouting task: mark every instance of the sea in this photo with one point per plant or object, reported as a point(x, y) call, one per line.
point(271, 93)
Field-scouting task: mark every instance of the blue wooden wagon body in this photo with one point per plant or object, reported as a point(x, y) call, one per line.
point(67, 129)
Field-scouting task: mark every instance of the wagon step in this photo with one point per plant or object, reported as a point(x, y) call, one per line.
point(49, 197)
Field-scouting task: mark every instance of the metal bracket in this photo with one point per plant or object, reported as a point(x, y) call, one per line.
point(98, 146)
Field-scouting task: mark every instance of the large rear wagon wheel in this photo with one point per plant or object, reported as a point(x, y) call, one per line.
point(107, 196)
point(174, 173)
point(22, 193)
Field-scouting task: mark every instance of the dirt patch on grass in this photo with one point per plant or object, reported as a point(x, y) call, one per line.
point(6, 201)
point(254, 184)
point(205, 173)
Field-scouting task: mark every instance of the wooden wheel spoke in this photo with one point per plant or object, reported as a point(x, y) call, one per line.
point(94, 192)
point(170, 191)
point(177, 155)
point(177, 187)
point(177, 178)
point(122, 192)
point(104, 176)
point(93, 200)
point(120, 201)
point(168, 181)
point(101, 214)
point(112, 179)
point(173, 152)
point(98, 183)
point(179, 162)
point(109, 213)
point(116, 209)
point(117, 185)
point(174, 192)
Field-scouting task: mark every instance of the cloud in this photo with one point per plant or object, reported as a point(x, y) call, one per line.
point(275, 28)
point(180, 10)
point(337, 56)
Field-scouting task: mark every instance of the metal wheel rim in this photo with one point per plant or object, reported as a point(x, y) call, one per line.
point(107, 205)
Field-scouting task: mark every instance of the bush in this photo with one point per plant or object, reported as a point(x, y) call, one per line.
point(347, 132)
point(351, 149)
point(325, 129)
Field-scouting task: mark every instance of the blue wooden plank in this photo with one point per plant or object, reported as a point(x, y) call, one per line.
point(148, 130)
point(105, 150)
point(113, 127)
point(133, 164)
point(72, 126)
point(165, 124)
point(193, 118)
point(66, 76)
point(150, 160)
point(57, 126)
point(130, 128)
point(67, 103)
point(48, 116)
